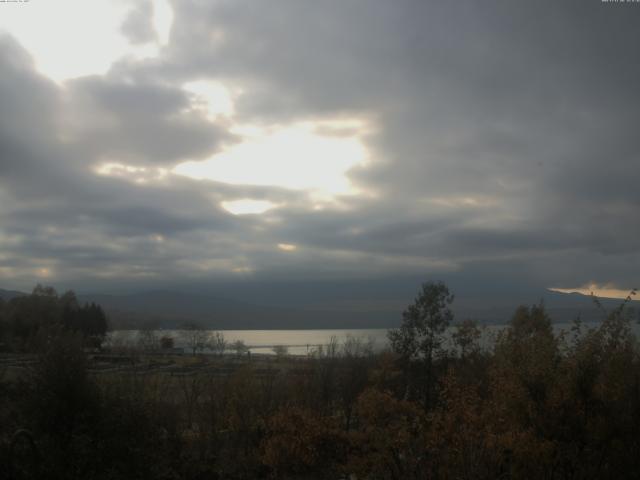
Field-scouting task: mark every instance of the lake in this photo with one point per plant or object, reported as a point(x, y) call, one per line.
point(298, 342)
point(304, 342)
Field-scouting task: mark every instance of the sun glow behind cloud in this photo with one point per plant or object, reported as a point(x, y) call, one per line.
point(604, 291)
point(214, 99)
point(136, 174)
point(247, 206)
point(74, 38)
point(300, 156)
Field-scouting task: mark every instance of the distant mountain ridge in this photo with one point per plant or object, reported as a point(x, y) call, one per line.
point(9, 294)
point(167, 308)
point(561, 307)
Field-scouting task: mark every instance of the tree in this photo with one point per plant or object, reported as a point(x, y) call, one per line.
point(526, 369)
point(527, 322)
point(166, 342)
point(419, 338)
point(300, 442)
point(389, 441)
point(195, 336)
point(239, 347)
point(3, 320)
point(147, 337)
point(423, 323)
point(281, 351)
point(28, 313)
point(89, 319)
point(44, 291)
point(93, 323)
point(466, 337)
point(64, 395)
point(217, 343)
point(354, 347)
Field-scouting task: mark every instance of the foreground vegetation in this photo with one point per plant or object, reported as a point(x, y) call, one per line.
point(536, 405)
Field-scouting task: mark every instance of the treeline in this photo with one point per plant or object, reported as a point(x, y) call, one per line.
point(534, 405)
point(24, 317)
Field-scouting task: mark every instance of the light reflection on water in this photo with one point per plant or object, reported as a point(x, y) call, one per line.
point(304, 342)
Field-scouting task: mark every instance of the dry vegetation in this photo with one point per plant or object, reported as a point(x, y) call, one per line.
point(536, 405)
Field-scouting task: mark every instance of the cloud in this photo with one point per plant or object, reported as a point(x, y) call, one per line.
point(138, 26)
point(143, 123)
point(490, 147)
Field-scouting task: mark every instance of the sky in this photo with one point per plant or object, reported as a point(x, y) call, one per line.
point(188, 144)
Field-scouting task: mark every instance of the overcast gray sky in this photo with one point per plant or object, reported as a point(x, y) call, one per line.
point(154, 143)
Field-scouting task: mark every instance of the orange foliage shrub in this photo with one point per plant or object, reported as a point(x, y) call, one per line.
point(299, 441)
point(389, 439)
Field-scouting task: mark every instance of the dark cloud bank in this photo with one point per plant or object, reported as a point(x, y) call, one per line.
point(505, 159)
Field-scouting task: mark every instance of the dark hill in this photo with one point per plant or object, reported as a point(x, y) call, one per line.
point(348, 309)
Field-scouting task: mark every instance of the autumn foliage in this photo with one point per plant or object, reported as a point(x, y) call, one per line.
point(534, 403)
